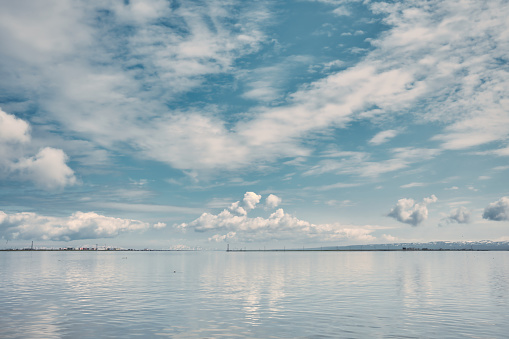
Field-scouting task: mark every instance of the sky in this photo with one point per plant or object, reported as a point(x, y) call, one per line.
point(196, 124)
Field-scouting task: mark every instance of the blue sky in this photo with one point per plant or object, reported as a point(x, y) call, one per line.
point(192, 124)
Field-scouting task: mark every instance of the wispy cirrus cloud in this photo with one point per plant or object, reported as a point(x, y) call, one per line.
point(413, 184)
point(361, 164)
point(415, 62)
point(383, 137)
point(161, 52)
point(127, 57)
point(269, 83)
point(150, 208)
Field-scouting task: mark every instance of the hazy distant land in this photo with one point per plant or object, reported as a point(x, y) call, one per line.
point(483, 245)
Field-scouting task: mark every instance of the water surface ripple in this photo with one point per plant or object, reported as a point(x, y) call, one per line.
point(254, 294)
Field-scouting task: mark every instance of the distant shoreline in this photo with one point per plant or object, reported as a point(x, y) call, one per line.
point(374, 250)
point(270, 250)
point(78, 250)
point(482, 245)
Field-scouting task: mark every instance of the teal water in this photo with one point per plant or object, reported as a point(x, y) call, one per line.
point(254, 294)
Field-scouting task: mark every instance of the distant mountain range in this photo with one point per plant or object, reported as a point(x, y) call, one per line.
point(482, 245)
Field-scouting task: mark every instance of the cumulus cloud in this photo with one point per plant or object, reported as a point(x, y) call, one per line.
point(48, 169)
point(498, 210)
point(460, 215)
point(79, 225)
point(160, 225)
point(249, 202)
point(251, 199)
point(13, 129)
point(409, 212)
point(272, 201)
point(278, 225)
point(224, 237)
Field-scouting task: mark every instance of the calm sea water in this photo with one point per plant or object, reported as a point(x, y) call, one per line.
point(254, 295)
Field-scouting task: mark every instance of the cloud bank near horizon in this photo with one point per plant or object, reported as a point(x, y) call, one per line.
point(236, 225)
point(80, 225)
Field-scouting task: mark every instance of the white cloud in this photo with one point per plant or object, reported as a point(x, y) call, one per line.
point(342, 11)
point(13, 129)
point(328, 66)
point(413, 184)
point(502, 151)
point(431, 199)
point(237, 209)
point(409, 212)
point(79, 225)
point(134, 61)
point(477, 130)
point(148, 208)
point(279, 225)
point(466, 62)
point(47, 169)
point(272, 201)
point(460, 215)
point(251, 199)
point(160, 225)
point(33, 30)
point(333, 186)
point(342, 203)
point(359, 163)
point(445, 58)
point(424, 48)
point(498, 210)
point(268, 83)
point(383, 137)
point(225, 237)
point(389, 238)
point(461, 202)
